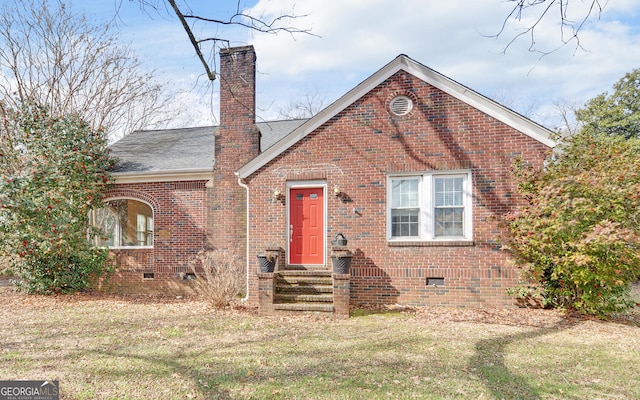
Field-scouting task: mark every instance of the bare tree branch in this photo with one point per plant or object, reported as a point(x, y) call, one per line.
point(565, 111)
point(306, 105)
point(280, 24)
point(210, 74)
point(255, 24)
point(543, 10)
point(57, 59)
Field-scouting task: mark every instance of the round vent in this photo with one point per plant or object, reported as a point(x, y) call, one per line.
point(401, 105)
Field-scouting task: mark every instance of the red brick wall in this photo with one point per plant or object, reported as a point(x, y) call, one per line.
point(180, 221)
point(357, 149)
point(236, 142)
point(187, 222)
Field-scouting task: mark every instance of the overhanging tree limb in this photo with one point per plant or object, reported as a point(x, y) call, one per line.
point(544, 8)
point(210, 74)
point(255, 24)
point(238, 18)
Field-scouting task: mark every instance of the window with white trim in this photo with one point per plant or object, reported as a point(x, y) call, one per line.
point(405, 207)
point(124, 223)
point(430, 206)
point(145, 230)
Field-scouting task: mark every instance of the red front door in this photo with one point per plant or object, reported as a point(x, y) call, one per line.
point(306, 226)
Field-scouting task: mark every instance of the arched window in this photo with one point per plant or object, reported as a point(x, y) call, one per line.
point(124, 223)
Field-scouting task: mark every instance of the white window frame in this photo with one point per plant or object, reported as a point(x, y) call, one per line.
point(118, 233)
point(144, 229)
point(106, 210)
point(426, 218)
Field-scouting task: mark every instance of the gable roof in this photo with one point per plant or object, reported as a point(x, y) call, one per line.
point(428, 75)
point(185, 153)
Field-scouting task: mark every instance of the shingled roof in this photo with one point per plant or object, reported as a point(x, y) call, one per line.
point(183, 149)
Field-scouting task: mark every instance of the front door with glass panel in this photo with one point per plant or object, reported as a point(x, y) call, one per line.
point(306, 226)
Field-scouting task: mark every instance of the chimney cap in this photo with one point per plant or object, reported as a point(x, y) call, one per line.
point(239, 49)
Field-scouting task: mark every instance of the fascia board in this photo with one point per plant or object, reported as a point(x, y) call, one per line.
point(480, 102)
point(402, 62)
point(163, 176)
point(323, 116)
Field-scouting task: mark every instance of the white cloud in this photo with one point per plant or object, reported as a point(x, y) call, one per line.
point(359, 37)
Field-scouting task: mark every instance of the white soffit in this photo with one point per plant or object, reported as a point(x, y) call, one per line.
point(164, 176)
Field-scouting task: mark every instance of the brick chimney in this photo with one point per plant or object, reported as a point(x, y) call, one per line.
point(238, 106)
point(237, 141)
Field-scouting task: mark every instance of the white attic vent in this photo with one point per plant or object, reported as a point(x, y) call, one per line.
point(401, 105)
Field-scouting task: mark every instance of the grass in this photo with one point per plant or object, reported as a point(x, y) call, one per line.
point(119, 348)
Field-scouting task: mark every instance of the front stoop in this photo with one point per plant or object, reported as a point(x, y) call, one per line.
point(302, 290)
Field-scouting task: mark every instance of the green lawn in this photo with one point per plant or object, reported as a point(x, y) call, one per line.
point(115, 348)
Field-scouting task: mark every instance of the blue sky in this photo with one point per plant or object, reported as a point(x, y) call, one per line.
point(357, 37)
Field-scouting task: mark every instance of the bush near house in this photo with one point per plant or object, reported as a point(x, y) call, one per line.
point(55, 171)
point(219, 276)
point(578, 237)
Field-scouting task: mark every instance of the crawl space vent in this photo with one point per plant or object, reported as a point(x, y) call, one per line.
point(435, 281)
point(400, 106)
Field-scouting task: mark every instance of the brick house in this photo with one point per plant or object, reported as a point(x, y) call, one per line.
point(411, 167)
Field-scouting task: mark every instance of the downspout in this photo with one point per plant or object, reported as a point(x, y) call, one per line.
point(242, 184)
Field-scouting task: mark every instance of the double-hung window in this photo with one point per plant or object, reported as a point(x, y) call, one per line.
point(405, 207)
point(144, 230)
point(430, 207)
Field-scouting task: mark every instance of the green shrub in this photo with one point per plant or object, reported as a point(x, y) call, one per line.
point(55, 170)
point(578, 237)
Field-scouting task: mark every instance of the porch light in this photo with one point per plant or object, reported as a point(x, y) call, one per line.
point(276, 193)
point(336, 190)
